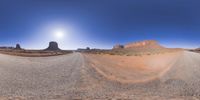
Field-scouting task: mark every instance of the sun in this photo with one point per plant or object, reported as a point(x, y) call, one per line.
point(59, 34)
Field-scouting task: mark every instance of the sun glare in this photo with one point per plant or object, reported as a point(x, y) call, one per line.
point(59, 34)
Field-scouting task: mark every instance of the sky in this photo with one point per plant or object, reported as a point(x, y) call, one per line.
point(99, 23)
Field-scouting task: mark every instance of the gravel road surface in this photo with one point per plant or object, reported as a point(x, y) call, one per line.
point(71, 77)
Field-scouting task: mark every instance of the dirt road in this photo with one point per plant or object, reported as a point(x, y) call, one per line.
point(45, 76)
point(72, 77)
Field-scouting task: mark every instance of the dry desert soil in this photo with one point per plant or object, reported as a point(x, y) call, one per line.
point(167, 76)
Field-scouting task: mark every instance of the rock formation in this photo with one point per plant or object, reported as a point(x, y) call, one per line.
point(87, 48)
point(118, 46)
point(143, 44)
point(18, 47)
point(140, 44)
point(53, 46)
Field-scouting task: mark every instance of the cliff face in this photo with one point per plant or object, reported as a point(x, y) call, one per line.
point(143, 44)
point(140, 44)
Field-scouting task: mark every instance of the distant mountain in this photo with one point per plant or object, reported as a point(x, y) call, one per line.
point(197, 49)
point(5, 47)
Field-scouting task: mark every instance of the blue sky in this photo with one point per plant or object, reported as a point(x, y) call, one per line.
point(99, 23)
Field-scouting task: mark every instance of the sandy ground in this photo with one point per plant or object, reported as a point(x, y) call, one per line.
point(133, 69)
point(170, 76)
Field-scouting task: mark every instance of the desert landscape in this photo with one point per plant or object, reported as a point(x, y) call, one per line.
point(51, 50)
point(99, 50)
point(143, 71)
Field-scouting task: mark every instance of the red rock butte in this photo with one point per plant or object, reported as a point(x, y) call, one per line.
point(53, 46)
point(140, 44)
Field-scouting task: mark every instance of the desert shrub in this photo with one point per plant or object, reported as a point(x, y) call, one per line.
point(112, 53)
point(128, 55)
point(136, 54)
point(148, 53)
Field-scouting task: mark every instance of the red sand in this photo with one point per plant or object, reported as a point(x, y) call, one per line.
point(133, 68)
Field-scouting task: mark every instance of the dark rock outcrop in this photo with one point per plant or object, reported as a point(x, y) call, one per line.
point(18, 47)
point(87, 48)
point(53, 46)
